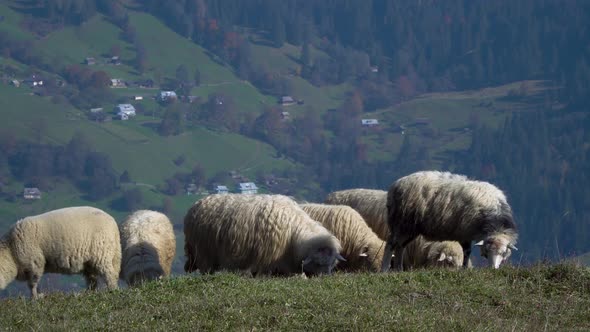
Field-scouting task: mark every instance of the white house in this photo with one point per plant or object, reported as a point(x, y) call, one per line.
point(125, 111)
point(167, 95)
point(32, 193)
point(248, 188)
point(117, 83)
point(221, 190)
point(370, 122)
point(287, 101)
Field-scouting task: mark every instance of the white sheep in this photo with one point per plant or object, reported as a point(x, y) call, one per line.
point(371, 204)
point(361, 247)
point(421, 253)
point(443, 206)
point(70, 240)
point(149, 245)
point(261, 234)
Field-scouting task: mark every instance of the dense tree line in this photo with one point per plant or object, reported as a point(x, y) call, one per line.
point(38, 165)
point(437, 45)
point(541, 161)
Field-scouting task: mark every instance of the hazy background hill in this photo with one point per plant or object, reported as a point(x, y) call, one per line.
point(496, 90)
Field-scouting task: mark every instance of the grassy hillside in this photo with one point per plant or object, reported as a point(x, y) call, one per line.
point(516, 299)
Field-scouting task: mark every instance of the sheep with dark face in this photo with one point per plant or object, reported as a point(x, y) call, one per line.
point(149, 245)
point(443, 206)
point(260, 234)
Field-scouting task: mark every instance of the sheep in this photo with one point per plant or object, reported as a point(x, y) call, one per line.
point(422, 253)
point(370, 203)
point(70, 241)
point(372, 206)
point(445, 206)
point(149, 245)
point(260, 234)
point(361, 247)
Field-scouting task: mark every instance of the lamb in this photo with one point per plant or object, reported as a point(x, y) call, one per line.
point(361, 247)
point(445, 206)
point(260, 234)
point(420, 253)
point(70, 241)
point(149, 245)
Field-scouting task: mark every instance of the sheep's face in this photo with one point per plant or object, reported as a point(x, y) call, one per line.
point(321, 261)
point(496, 250)
point(448, 260)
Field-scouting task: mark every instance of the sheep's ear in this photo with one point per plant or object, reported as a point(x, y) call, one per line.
point(480, 243)
point(442, 257)
point(511, 246)
point(340, 258)
point(365, 252)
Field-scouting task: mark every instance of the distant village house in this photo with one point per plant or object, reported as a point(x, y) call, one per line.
point(124, 111)
point(370, 122)
point(115, 60)
point(117, 83)
point(248, 188)
point(32, 193)
point(168, 95)
point(90, 61)
point(287, 101)
point(221, 190)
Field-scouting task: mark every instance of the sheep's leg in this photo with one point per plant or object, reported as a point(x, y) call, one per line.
point(91, 281)
point(111, 280)
point(466, 253)
point(33, 281)
point(399, 247)
point(386, 263)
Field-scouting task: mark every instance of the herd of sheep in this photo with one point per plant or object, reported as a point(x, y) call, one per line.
point(426, 219)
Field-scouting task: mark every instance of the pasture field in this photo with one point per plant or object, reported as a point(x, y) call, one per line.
point(542, 297)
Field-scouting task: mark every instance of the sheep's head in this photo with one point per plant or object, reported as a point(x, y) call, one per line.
point(448, 255)
point(497, 249)
point(321, 261)
point(372, 257)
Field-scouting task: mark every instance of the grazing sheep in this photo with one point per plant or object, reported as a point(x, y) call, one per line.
point(421, 253)
point(371, 204)
point(361, 248)
point(444, 206)
point(261, 234)
point(149, 245)
point(70, 241)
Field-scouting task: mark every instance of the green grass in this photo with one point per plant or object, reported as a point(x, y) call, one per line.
point(11, 23)
point(510, 299)
point(284, 62)
point(130, 144)
point(94, 38)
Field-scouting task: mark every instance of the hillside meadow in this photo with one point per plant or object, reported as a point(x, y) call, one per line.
point(541, 297)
